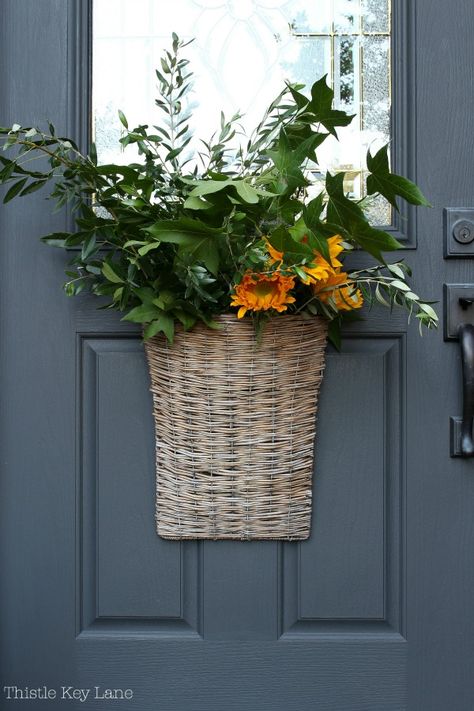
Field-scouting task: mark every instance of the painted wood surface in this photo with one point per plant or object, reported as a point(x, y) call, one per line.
point(374, 612)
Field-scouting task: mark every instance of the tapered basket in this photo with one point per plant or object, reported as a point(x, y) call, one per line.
point(235, 421)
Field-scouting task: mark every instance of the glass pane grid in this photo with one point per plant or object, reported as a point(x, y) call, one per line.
point(327, 17)
point(243, 52)
point(359, 35)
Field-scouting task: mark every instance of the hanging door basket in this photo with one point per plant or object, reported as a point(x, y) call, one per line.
point(235, 426)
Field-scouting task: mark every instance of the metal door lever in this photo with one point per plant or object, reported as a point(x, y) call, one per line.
point(466, 339)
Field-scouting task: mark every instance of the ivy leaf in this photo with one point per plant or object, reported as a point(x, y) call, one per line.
point(288, 161)
point(294, 251)
point(309, 239)
point(163, 324)
point(145, 294)
point(374, 241)
point(142, 314)
point(186, 319)
point(299, 230)
point(390, 185)
point(319, 243)
point(304, 141)
point(182, 231)
point(312, 211)
point(316, 228)
point(346, 213)
point(195, 203)
point(206, 187)
point(206, 252)
point(341, 210)
point(322, 97)
point(193, 237)
point(246, 192)
point(300, 99)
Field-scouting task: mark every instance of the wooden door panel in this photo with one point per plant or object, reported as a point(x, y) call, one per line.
point(349, 571)
point(377, 605)
point(346, 577)
point(334, 675)
point(129, 576)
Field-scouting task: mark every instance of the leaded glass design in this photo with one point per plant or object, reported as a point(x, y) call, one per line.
point(243, 52)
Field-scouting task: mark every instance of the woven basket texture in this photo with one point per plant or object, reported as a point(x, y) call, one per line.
point(235, 423)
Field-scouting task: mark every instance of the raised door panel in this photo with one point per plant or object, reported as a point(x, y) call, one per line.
point(346, 578)
point(129, 577)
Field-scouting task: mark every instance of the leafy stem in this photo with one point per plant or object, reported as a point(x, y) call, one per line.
point(165, 242)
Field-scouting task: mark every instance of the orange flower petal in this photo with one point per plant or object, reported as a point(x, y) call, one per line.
point(261, 292)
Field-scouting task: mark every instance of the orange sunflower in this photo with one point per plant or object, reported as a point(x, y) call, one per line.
point(322, 269)
point(342, 292)
point(260, 292)
point(275, 256)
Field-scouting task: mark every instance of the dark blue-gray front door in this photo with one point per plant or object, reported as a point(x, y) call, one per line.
point(375, 611)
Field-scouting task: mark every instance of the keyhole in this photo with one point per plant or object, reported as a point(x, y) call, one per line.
point(463, 231)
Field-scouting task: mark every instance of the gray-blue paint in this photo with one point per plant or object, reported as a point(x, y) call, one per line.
point(374, 612)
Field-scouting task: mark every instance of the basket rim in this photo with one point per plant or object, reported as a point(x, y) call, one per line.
point(230, 315)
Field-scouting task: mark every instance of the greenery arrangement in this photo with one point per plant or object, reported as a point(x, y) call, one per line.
point(170, 240)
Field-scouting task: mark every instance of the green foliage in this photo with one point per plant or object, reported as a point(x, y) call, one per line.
point(388, 287)
point(166, 239)
point(382, 181)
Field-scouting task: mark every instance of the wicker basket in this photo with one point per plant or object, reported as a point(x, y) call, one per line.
point(235, 426)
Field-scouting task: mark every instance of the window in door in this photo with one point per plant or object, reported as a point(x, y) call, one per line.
point(243, 52)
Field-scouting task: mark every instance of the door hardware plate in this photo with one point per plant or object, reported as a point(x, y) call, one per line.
point(454, 313)
point(458, 232)
point(455, 436)
point(455, 424)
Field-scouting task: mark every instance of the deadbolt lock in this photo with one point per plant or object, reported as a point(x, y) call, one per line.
point(458, 232)
point(463, 231)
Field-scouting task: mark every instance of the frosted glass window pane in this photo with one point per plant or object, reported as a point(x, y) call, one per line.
point(376, 16)
point(315, 16)
point(307, 60)
point(243, 52)
point(379, 210)
point(346, 15)
point(347, 73)
point(376, 88)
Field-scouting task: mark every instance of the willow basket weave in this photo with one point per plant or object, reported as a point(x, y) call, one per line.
point(235, 425)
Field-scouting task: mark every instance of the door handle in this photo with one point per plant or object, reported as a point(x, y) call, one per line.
point(466, 340)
